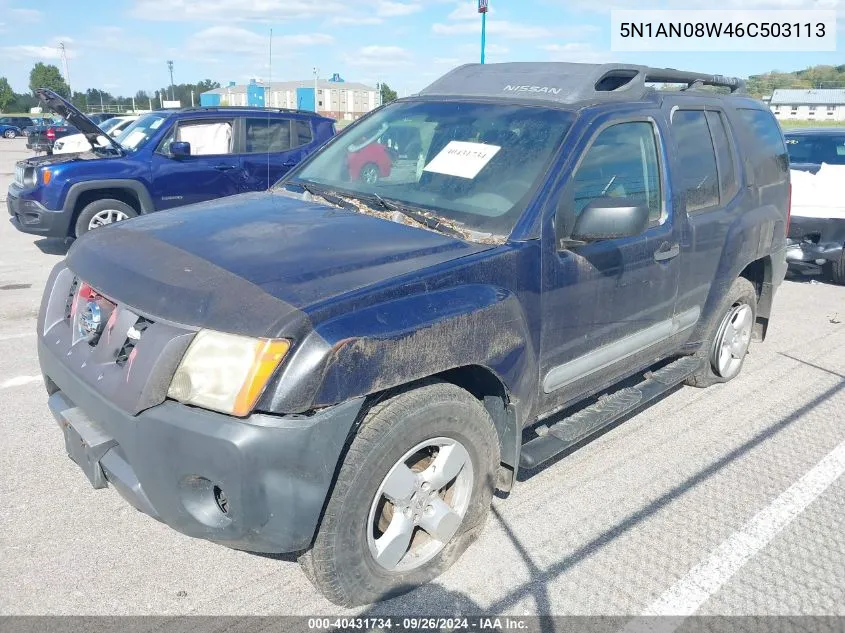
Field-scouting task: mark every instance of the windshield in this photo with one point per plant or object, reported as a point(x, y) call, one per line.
point(107, 125)
point(473, 163)
point(138, 133)
point(821, 148)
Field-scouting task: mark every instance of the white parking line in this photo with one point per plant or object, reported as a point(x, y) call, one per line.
point(18, 381)
point(705, 579)
point(9, 337)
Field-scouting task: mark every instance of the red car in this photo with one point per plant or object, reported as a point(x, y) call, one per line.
point(376, 158)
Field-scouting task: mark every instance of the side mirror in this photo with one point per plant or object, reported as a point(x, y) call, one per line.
point(610, 218)
point(180, 149)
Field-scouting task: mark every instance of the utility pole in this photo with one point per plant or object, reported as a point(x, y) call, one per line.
point(102, 108)
point(482, 9)
point(316, 74)
point(151, 103)
point(63, 53)
point(170, 66)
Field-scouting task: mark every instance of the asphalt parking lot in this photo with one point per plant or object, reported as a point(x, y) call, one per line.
point(720, 501)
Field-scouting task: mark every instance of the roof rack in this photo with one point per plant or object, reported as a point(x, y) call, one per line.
point(255, 108)
point(563, 82)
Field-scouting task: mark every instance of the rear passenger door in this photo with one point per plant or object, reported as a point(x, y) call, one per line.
point(271, 146)
point(707, 180)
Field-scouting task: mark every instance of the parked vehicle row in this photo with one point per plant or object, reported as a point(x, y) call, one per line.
point(163, 159)
point(349, 364)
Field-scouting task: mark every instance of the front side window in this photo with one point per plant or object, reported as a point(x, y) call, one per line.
point(622, 162)
point(208, 137)
point(697, 158)
point(472, 163)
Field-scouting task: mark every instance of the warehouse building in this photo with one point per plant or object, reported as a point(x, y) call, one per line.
point(335, 98)
point(809, 104)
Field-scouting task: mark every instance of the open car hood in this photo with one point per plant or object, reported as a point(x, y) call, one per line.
point(69, 113)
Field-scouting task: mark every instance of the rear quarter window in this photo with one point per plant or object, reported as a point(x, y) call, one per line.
point(765, 147)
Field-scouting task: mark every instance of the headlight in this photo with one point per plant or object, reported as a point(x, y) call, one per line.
point(30, 177)
point(226, 372)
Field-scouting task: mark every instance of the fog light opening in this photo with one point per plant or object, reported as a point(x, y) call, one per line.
point(221, 500)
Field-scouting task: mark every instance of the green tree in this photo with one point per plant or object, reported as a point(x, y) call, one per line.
point(48, 76)
point(7, 95)
point(388, 95)
point(22, 102)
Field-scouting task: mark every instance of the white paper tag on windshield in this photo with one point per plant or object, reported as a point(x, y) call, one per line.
point(462, 159)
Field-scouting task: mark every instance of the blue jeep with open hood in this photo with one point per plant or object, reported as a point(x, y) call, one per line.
point(348, 366)
point(165, 159)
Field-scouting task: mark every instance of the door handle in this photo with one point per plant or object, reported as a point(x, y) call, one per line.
point(666, 252)
point(224, 167)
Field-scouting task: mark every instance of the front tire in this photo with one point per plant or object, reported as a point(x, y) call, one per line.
point(837, 270)
point(102, 212)
point(729, 336)
point(414, 489)
point(10, 134)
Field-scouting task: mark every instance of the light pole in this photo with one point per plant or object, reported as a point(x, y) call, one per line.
point(170, 67)
point(482, 9)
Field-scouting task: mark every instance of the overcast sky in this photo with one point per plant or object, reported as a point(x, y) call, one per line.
point(122, 45)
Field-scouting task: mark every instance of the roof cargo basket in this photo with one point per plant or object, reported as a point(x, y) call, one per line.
point(568, 82)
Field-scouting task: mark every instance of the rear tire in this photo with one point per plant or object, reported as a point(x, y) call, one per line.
point(10, 134)
point(728, 336)
point(102, 212)
point(837, 270)
point(370, 547)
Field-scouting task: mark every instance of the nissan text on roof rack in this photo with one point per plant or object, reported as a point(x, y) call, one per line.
point(346, 366)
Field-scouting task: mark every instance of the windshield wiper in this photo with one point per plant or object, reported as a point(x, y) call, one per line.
point(326, 194)
point(416, 215)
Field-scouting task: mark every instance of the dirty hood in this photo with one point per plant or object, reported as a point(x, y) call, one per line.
point(68, 111)
point(248, 263)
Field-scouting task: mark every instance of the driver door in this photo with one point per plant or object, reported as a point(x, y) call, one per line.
point(608, 305)
point(213, 170)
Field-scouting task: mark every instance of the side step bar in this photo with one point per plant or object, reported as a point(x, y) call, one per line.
point(557, 438)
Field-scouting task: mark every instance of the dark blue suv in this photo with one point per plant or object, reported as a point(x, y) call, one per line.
point(165, 159)
point(352, 365)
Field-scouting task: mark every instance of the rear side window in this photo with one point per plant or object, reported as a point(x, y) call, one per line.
point(699, 173)
point(302, 131)
point(767, 150)
point(724, 156)
point(267, 135)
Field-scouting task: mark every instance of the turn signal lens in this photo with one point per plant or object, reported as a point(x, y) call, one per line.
point(46, 176)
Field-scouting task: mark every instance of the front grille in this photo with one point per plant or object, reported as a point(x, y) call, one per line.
point(133, 336)
point(71, 295)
